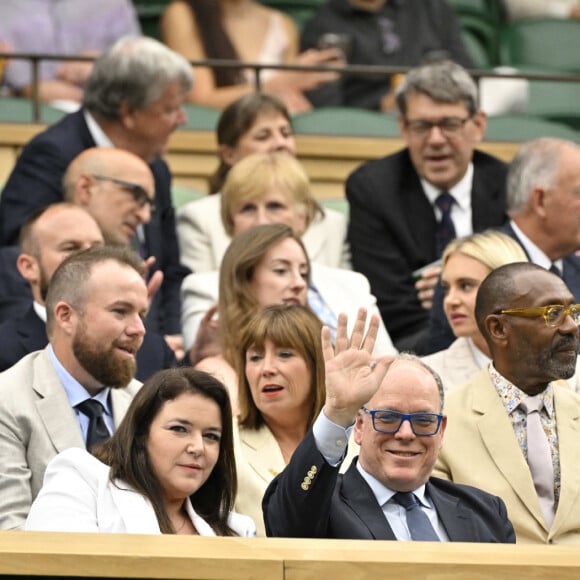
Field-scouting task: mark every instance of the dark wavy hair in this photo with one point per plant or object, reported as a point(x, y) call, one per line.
point(126, 451)
point(215, 40)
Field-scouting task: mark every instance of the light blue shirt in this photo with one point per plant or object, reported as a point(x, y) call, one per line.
point(76, 394)
point(331, 440)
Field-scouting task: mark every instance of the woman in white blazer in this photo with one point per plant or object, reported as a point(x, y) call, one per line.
point(255, 123)
point(466, 262)
point(169, 468)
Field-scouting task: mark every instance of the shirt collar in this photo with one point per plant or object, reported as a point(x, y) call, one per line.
point(535, 254)
point(461, 191)
point(40, 311)
point(383, 494)
point(98, 135)
point(512, 396)
point(75, 392)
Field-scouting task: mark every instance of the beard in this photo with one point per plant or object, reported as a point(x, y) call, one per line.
point(550, 361)
point(104, 364)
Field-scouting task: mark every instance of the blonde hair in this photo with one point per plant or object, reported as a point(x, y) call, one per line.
point(252, 177)
point(492, 248)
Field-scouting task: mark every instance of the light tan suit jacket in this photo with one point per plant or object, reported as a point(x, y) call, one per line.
point(203, 239)
point(481, 449)
point(456, 365)
point(258, 460)
point(36, 423)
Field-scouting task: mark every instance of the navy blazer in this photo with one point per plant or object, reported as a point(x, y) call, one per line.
point(309, 499)
point(35, 182)
point(26, 333)
point(392, 230)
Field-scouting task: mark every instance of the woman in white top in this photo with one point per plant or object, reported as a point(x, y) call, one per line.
point(466, 262)
point(169, 468)
point(243, 31)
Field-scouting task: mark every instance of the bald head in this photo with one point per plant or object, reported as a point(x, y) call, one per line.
point(115, 186)
point(48, 237)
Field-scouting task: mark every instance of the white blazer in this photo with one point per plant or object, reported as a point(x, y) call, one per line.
point(78, 496)
point(342, 290)
point(203, 239)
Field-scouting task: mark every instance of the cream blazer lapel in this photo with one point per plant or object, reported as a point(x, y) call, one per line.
point(121, 399)
point(568, 417)
point(498, 436)
point(53, 406)
point(262, 453)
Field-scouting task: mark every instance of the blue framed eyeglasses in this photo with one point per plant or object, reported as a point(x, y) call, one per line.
point(422, 424)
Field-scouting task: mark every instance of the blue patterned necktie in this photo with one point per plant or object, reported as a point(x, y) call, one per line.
point(322, 310)
point(445, 230)
point(417, 521)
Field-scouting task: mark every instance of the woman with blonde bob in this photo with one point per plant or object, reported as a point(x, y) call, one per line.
point(466, 262)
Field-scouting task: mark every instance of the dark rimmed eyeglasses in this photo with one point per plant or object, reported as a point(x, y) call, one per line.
point(553, 314)
point(449, 126)
point(137, 191)
point(422, 424)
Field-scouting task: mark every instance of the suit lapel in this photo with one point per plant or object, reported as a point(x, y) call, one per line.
point(136, 512)
point(456, 520)
point(459, 363)
point(571, 275)
point(499, 438)
point(121, 399)
point(359, 497)
point(568, 418)
point(262, 452)
point(32, 331)
point(487, 194)
point(54, 407)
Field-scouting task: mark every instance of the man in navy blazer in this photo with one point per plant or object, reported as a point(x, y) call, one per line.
point(48, 237)
point(543, 203)
point(393, 212)
point(133, 100)
point(399, 424)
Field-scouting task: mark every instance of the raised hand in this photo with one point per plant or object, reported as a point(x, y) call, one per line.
point(352, 376)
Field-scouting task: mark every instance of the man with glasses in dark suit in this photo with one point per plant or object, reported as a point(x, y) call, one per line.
point(387, 493)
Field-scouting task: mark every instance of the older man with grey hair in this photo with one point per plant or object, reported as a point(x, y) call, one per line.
point(133, 100)
point(405, 207)
point(543, 201)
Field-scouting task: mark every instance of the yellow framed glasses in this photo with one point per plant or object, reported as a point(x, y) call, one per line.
point(554, 314)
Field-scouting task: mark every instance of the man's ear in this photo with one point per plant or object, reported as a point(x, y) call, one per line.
point(28, 267)
point(537, 201)
point(358, 427)
point(65, 317)
point(127, 115)
point(83, 190)
point(479, 125)
point(497, 329)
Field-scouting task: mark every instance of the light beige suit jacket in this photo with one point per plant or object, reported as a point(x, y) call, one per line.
point(203, 239)
point(480, 449)
point(456, 365)
point(258, 460)
point(36, 423)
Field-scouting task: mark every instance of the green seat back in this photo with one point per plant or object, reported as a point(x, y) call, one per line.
point(346, 121)
point(520, 128)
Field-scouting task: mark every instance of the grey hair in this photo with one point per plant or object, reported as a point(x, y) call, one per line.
point(443, 81)
point(407, 356)
point(535, 165)
point(135, 70)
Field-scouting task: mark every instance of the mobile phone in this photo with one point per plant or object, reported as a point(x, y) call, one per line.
point(417, 274)
point(338, 40)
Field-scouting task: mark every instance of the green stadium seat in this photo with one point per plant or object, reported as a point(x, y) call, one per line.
point(20, 110)
point(346, 121)
point(339, 205)
point(555, 101)
point(182, 194)
point(520, 128)
point(201, 118)
point(548, 44)
point(149, 12)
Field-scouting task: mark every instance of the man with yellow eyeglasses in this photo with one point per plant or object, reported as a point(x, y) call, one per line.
point(513, 429)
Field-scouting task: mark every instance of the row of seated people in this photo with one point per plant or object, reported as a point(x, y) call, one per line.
point(452, 134)
point(342, 31)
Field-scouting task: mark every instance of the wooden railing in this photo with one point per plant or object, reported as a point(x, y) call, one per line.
point(192, 156)
point(42, 555)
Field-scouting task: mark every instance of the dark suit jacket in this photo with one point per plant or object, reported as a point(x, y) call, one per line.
point(392, 230)
point(35, 182)
point(24, 334)
point(440, 334)
point(310, 499)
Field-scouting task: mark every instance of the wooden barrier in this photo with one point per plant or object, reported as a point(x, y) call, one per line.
point(37, 555)
point(192, 156)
